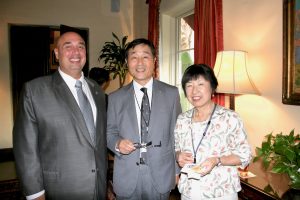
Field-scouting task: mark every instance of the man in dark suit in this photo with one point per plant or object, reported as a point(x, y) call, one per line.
point(144, 165)
point(57, 155)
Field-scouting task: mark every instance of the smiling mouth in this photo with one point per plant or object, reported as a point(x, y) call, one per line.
point(196, 98)
point(75, 59)
point(140, 70)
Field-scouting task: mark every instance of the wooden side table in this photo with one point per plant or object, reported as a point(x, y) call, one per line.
point(251, 190)
point(264, 186)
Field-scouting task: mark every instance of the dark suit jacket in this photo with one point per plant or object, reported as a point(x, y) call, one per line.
point(52, 146)
point(122, 124)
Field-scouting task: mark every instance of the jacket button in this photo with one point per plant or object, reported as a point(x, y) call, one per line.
point(93, 170)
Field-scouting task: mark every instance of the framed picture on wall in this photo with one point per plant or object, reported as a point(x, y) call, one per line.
point(54, 35)
point(291, 52)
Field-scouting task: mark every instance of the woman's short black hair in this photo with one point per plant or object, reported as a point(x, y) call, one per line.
point(138, 41)
point(194, 71)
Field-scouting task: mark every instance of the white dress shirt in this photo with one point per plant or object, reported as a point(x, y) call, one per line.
point(138, 96)
point(70, 81)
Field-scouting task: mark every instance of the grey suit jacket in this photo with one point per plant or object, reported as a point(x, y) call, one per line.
point(122, 124)
point(52, 146)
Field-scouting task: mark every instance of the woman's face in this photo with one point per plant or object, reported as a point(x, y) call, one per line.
point(198, 92)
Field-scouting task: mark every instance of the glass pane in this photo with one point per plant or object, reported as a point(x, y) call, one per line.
point(185, 104)
point(186, 58)
point(186, 33)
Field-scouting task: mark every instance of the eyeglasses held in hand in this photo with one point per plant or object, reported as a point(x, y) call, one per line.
point(145, 145)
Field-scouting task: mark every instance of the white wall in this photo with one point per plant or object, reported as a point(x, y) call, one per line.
point(140, 19)
point(256, 26)
point(95, 15)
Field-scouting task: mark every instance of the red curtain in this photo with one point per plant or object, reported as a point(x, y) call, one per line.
point(208, 35)
point(153, 28)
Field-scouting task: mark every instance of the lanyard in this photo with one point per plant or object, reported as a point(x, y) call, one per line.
point(204, 133)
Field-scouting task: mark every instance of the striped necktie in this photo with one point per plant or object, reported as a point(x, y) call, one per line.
point(86, 110)
point(145, 119)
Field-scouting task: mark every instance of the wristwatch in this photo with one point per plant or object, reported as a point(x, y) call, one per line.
point(219, 161)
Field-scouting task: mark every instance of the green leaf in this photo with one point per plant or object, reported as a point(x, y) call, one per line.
point(116, 37)
point(279, 168)
point(290, 154)
point(113, 56)
point(268, 188)
point(124, 41)
point(266, 162)
point(266, 146)
point(295, 185)
point(256, 158)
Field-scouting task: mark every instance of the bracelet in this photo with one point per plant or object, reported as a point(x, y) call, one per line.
point(219, 161)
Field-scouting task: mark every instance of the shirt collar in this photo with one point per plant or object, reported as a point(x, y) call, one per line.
point(148, 85)
point(70, 81)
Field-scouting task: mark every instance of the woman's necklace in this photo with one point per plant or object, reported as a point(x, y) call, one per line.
point(204, 133)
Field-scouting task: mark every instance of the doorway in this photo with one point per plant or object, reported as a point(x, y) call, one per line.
point(32, 54)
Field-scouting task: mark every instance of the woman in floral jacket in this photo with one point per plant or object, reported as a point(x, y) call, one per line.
point(210, 141)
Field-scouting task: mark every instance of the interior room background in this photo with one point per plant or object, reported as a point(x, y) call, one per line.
point(251, 25)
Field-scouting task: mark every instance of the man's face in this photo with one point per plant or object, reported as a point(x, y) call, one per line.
point(141, 63)
point(71, 53)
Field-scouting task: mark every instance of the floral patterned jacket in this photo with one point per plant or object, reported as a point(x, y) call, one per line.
point(225, 135)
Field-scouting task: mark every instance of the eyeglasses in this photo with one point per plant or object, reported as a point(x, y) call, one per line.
point(146, 145)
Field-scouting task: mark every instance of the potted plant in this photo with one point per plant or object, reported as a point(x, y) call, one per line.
point(113, 55)
point(281, 154)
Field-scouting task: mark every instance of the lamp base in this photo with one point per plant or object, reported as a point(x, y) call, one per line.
point(231, 102)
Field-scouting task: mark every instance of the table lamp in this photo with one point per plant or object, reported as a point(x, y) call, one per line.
point(232, 74)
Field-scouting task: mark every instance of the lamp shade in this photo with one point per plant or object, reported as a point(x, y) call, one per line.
point(232, 74)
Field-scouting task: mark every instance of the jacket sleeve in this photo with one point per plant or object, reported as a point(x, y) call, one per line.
point(177, 110)
point(112, 127)
point(25, 145)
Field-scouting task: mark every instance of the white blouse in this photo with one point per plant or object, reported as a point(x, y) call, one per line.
point(225, 135)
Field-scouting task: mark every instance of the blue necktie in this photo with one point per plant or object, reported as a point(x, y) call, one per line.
point(86, 110)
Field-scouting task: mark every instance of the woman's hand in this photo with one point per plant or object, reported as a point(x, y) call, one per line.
point(208, 165)
point(183, 158)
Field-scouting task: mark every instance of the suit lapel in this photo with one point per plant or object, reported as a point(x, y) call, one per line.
point(70, 103)
point(100, 112)
point(156, 105)
point(131, 110)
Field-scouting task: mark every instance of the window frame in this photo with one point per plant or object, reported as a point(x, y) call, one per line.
point(169, 66)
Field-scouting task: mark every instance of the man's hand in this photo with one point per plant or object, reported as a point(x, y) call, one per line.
point(183, 158)
point(177, 179)
point(42, 197)
point(125, 146)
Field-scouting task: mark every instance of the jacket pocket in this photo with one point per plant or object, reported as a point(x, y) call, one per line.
point(51, 176)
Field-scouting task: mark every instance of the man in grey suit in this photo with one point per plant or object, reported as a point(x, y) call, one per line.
point(143, 169)
point(57, 156)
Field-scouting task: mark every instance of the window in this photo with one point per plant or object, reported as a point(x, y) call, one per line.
point(184, 52)
point(176, 43)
